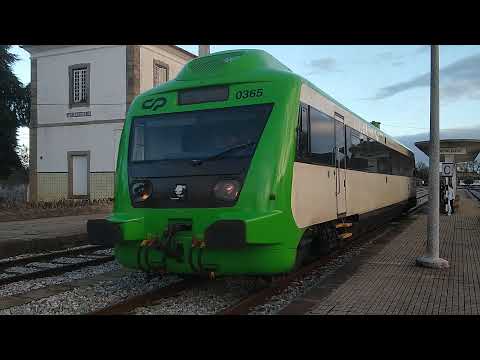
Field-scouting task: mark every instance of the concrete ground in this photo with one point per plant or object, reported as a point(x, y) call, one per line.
point(384, 279)
point(469, 206)
point(18, 237)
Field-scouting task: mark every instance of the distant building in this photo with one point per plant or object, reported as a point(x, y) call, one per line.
point(80, 96)
point(453, 151)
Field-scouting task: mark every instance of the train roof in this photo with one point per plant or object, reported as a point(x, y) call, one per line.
point(251, 64)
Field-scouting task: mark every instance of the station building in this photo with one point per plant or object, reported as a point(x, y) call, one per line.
point(80, 97)
point(454, 151)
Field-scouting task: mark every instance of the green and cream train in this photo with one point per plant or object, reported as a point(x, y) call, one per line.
point(240, 167)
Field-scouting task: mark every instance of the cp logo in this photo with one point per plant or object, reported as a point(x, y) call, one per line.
point(154, 104)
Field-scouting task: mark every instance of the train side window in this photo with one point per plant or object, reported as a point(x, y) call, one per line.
point(384, 159)
point(303, 133)
point(407, 166)
point(370, 151)
point(340, 143)
point(322, 139)
point(348, 134)
point(396, 162)
point(357, 155)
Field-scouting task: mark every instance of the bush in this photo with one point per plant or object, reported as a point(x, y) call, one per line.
point(56, 204)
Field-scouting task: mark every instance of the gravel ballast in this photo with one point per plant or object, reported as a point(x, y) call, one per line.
point(86, 299)
point(21, 287)
point(207, 299)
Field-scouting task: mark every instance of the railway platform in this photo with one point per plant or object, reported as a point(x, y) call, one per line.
point(383, 279)
point(27, 236)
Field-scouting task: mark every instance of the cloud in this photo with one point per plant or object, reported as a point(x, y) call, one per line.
point(398, 60)
point(457, 80)
point(323, 64)
point(391, 57)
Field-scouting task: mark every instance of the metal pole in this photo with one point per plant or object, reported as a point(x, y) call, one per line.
point(434, 178)
point(432, 258)
point(203, 50)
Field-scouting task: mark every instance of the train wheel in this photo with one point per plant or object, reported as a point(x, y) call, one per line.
point(331, 234)
point(304, 251)
point(325, 240)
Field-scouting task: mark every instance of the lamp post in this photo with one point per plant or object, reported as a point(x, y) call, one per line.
point(432, 259)
point(203, 50)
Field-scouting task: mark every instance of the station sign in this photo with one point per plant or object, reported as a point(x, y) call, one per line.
point(453, 151)
point(79, 114)
point(447, 169)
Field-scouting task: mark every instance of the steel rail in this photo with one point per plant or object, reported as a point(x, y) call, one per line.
point(149, 298)
point(474, 194)
point(42, 273)
point(49, 256)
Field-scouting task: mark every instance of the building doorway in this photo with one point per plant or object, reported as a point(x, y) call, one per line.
point(78, 174)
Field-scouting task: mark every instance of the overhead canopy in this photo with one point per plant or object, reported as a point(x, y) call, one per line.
point(463, 150)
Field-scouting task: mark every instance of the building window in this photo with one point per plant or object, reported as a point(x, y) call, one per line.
point(160, 72)
point(79, 84)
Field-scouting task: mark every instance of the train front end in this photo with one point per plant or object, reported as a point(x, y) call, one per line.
point(203, 180)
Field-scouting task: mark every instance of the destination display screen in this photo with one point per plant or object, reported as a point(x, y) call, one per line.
point(202, 95)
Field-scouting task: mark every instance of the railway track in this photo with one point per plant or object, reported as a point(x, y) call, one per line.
point(244, 305)
point(474, 193)
point(148, 299)
point(50, 264)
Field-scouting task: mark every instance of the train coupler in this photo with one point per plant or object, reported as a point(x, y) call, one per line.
point(197, 243)
point(166, 243)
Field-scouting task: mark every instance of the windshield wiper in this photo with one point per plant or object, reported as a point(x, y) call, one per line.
point(223, 152)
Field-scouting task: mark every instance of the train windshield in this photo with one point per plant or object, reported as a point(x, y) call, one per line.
point(198, 135)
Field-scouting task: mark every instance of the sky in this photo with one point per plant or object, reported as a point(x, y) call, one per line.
point(385, 83)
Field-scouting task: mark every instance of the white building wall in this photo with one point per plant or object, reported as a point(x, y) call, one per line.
point(97, 134)
point(99, 139)
point(150, 52)
point(107, 83)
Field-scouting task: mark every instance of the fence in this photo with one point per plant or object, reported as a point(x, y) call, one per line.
point(13, 193)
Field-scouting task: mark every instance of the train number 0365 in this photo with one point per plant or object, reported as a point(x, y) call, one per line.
point(243, 94)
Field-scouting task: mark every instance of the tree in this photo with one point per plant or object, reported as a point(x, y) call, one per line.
point(422, 171)
point(376, 124)
point(14, 111)
point(475, 166)
point(23, 156)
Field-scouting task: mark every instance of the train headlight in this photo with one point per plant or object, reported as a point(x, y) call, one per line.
point(141, 190)
point(227, 190)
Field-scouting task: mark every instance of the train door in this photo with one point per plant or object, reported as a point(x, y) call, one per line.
point(340, 148)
